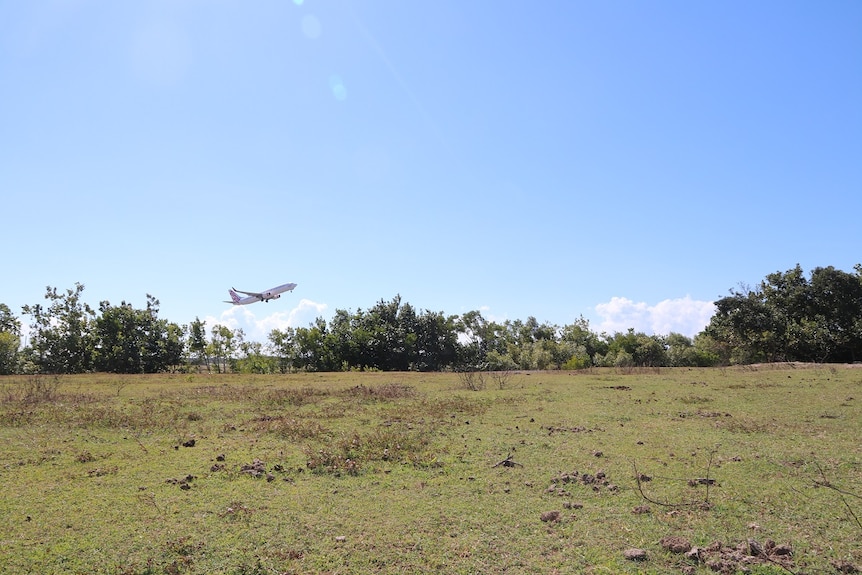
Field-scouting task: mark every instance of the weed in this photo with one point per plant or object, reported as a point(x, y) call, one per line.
point(694, 399)
point(294, 397)
point(327, 461)
point(85, 457)
point(290, 428)
point(387, 391)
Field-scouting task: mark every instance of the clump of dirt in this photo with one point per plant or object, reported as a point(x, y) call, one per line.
point(728, 559)
point(550, 516)
point(256, 469)
point(597, 482)
point(183, 483)
point(845, 566)
point(676, 544)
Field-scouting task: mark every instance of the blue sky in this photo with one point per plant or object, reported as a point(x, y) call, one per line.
point(628, 162)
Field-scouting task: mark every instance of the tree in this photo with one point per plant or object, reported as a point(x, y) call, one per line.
point(791, 318)
point(119, 346)
point(10, 340)
point(650, 351)
point(129, 340)
point(315, 350)
point(282, 344)
point(197, 343)
point(634, 349)
point(836, 305)
point(478, 338)
point(581, 344)
point(61, 335)
point(748, 327)
point(436, 344)
point(221, 346)
point(253, 359)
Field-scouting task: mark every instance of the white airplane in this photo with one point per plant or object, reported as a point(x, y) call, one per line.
point(253, 297)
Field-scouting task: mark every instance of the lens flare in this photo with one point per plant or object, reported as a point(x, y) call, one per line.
point(336, 84)
point(311, 26)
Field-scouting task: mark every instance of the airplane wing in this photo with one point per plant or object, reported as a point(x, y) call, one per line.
point(251, 293)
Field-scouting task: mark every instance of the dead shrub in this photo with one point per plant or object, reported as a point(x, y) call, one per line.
point(472, 380)
point(34, 390)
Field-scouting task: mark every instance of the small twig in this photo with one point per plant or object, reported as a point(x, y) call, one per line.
point(653, 501)
point(705, 481)
point(708, 482)
point(151, 499)
point(142, 446)
point(841, 493)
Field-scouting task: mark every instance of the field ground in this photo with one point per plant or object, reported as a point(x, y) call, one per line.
point(757, 468)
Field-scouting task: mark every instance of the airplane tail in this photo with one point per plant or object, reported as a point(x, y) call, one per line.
point(234, 296)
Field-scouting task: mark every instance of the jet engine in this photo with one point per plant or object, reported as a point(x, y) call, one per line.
point(276, 296)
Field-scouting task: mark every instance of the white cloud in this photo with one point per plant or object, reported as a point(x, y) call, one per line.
point(257, 329)
point(682, 315)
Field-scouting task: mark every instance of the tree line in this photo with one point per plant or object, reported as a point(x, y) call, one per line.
point(787, 317)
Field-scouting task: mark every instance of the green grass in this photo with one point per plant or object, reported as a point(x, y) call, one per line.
point(395, 472)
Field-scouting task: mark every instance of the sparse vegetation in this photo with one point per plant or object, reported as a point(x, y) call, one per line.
point(654, 471)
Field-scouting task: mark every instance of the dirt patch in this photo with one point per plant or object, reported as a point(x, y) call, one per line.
point(728, 559)
point(597, 482)
point(578, 429)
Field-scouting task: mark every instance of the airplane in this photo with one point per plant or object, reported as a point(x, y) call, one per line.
point(253, 297)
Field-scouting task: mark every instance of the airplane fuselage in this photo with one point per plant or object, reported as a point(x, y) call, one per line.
point(254, 297)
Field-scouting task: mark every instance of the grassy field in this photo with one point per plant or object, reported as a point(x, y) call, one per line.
point(756, 469)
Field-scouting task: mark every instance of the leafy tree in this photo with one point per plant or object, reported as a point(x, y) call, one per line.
point(10, 340)
point(680, 350)
point(8, 322)
point(171, 346)
point(748, 327)
point(282, 344)
point(389, 336)
point(197, 343)
point(478, 338)
point(221, 346)
point(583, 344)
point(392, 337)
point(61, 336)
point(791, 318)
point(253, 360)
point(635, 349)
point(836, 306)
point(436, 344)
point(315, 349)
point(129, 340)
